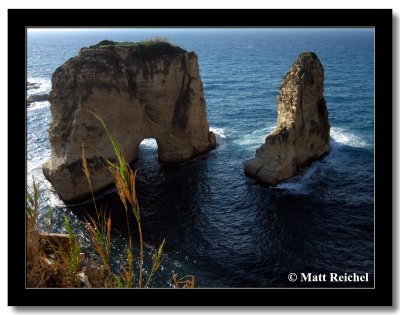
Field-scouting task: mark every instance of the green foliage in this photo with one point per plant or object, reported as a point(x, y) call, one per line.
point(157, 260)
point(125, 181)
point(100, 232)
point(67, 258)
point(110, 44)
point(118, 283)
point(74, 248)
point(32, 202)
point(144, 50)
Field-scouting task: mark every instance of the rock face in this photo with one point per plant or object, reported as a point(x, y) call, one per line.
point(302, 132)
point(141, 90)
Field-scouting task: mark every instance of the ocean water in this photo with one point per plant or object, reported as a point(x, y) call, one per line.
point(220, 225)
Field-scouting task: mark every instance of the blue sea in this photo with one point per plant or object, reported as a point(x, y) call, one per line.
point(227, 229)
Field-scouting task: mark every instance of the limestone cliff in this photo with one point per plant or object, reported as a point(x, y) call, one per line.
point(302, 132)
point(141, 90)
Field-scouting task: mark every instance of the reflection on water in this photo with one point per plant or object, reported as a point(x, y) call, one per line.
point(244, 234)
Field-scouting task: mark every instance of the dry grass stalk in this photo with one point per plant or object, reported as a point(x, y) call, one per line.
point(47, 260)
point(186, 282)
point(64, 267)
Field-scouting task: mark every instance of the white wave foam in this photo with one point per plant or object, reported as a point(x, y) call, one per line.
point(47, 195)
point(43, 83)
point(254, 139)
point(152, 143)
point(340, 135)
point(295, 187)
point(36, 157)
point(35, 164)
point(343, 136)
point(302, 183)
point(218, 131)
point(38, 105)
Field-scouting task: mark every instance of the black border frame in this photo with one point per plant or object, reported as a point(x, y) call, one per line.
point(19, 19)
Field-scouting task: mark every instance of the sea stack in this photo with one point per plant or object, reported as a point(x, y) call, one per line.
point(302, 132)
point(142, 90)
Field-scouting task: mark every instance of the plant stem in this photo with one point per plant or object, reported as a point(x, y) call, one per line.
point(141, 254)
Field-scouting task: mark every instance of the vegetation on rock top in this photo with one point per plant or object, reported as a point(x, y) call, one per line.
point(149, 48)
point(308, 54)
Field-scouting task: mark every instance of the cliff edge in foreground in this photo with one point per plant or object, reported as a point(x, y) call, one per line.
point(302, 132)
point(141, 90)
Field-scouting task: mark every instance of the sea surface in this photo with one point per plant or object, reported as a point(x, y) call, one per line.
point(227, 229)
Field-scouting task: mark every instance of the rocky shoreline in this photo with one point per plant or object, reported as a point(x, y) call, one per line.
point(35, 97)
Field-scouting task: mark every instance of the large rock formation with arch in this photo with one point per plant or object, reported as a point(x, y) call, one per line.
point(141, 90)
point(302, 132)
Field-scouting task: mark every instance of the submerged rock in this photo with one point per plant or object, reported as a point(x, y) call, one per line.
point(141, 90)
point(32, 86)
point(37, 98)
point(302, 132)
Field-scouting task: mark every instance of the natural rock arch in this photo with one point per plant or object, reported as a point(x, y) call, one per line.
point(141, 90)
